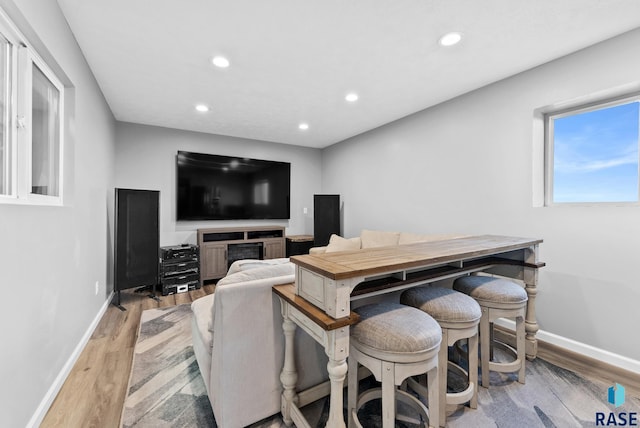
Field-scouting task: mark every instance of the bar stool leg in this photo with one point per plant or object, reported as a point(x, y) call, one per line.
point(520, 346)
point(485, 346)
point(388, 395)
point(433, 385)
point(472, 349)
point(443, 363)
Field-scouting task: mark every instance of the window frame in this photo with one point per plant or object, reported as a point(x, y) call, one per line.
point(548, 119)
point(9, 33)
point(31, 59)
point(18, 167)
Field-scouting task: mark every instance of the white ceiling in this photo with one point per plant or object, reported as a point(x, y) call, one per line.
point(293, 61)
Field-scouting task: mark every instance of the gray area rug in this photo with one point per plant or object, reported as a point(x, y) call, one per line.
point(165, 387)
point(166, 390)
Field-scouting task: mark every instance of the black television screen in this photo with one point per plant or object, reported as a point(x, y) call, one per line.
point(211, 187)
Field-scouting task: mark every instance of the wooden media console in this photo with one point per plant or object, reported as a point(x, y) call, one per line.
point(219, 247)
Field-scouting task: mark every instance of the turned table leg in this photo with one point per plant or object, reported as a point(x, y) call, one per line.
point(531, 286)
point(531, 324)
point(289, 375)
point(337, 373)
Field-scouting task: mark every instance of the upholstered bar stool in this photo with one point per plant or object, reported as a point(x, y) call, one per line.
point(394, 342)
point(458, 316)
point(498, 298)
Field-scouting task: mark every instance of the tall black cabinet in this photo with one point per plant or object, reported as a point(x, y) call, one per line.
point(326, 218)
point(137, 239)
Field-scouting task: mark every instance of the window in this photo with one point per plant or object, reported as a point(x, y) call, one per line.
point(6, 111)
point(5, 164)
point(31, 123)
point(45, 134)
point(592, 154)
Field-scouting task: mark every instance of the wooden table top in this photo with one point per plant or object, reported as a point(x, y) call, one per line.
point(300, 238)
point(371, 261)
point(317, 315)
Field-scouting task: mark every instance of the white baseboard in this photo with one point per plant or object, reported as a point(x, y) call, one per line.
point(51, 394)
point(580, 348)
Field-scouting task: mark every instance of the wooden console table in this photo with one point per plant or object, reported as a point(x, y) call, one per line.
point(320, 300)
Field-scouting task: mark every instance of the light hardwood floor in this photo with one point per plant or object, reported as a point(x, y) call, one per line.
point(94, 392)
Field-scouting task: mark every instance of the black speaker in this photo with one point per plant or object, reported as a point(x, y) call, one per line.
point(137, 236)
point(326, 218)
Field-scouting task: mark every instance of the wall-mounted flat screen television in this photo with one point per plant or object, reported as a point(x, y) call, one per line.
point(212, 187)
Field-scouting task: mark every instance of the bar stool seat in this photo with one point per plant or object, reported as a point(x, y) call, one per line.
point(458, 316)
point(498, 298)
point(393, 342)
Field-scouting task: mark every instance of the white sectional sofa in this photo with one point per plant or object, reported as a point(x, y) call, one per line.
point(239, 343)
point(377, 238)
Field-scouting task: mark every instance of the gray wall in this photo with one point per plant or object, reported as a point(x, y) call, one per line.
point(146, 159)
point(51, 257)
point(468, 166)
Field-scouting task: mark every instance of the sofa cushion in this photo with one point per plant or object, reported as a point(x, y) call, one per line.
point(268, 271)
point(202, 309)
point(376, 238)
point(338, 243)
point(247, 264)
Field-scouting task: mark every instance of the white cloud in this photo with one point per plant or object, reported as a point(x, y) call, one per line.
point(628, 157)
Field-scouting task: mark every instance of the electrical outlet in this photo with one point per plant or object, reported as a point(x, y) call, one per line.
point(304, 210)
point(97, 287)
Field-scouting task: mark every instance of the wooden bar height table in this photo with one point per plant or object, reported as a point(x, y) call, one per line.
point(320, 300)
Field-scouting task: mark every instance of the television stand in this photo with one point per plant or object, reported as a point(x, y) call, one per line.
point(219, 247)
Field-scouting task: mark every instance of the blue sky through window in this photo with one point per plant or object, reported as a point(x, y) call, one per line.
point(595, 155)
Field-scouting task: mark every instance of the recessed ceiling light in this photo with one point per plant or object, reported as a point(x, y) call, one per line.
point(220, 61)
point(202, 108)
point(450, 39)
point(303, 126)
point(351, 97)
